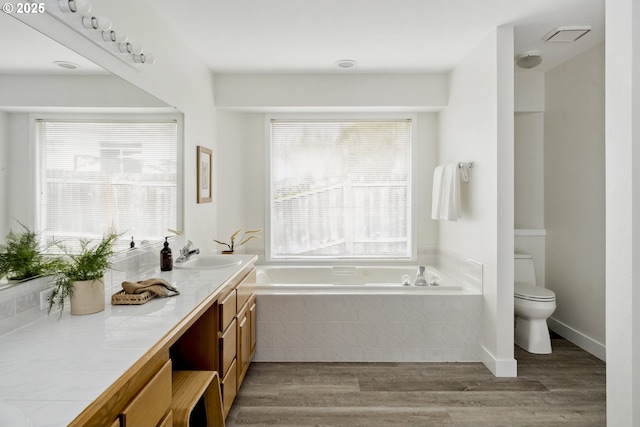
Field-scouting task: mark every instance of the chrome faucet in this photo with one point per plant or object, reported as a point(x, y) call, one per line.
point(186, 252)
point(420, 279)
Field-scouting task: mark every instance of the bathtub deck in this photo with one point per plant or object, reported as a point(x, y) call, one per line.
point(566, 388)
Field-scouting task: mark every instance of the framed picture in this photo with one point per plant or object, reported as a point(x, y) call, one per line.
point(205, 175)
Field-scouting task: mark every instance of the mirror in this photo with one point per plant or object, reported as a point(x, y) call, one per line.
point(37, 74)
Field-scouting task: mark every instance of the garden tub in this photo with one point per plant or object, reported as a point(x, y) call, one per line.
point(274, 279)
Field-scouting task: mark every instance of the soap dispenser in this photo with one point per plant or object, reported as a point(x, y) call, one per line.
point(166, 259)
point(420, 279)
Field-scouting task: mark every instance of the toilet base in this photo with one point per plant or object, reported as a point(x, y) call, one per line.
point(532, 335)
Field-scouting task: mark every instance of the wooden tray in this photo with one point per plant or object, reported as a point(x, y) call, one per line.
point(122, 298)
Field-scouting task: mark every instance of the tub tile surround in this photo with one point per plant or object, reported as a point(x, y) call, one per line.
point(369, 328)
point(20, 303)
point(461, 268)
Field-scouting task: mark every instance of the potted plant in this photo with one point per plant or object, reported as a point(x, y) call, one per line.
point(81, 277)
point(246, 236)
point(21, 258)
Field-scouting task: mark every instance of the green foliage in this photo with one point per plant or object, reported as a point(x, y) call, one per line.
point(21, 258)
point(89, 264)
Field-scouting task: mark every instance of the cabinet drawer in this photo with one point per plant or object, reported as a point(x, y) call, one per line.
point(227, 310)
point(229, 388)
point(152, 402)
point(228, 344)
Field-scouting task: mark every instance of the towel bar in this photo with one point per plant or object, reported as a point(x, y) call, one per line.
point(465, 165)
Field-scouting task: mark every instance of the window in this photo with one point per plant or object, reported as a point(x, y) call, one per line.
point(96, 174)
point(340, 189)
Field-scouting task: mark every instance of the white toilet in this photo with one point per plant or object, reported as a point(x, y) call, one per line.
point(532, 305)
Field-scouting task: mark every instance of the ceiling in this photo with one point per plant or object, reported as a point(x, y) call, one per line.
point(383, 36)
point(310, 36)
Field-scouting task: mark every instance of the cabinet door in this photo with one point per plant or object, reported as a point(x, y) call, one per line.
point(152, 402)
point(253, 317)
point(244, 343)
point(229, 388)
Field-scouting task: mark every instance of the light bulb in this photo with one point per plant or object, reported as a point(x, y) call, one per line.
point(144, 58)
point(75, 6)
point(112, 36)
point(130, 47)
point(93, 23)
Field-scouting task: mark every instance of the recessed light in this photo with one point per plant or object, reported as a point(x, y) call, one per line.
point(529, 60)
point(66, 65)
point(346, 63)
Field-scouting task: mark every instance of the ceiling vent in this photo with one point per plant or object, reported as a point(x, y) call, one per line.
point(567, 34)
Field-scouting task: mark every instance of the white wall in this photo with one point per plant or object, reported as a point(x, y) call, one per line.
point(478, 126)
point(529, 91)
point(622, 212)
point(4, 179)
point(165, 80)
point(232, 174)
point(405, 92)
point(529, 171)
point(574, 192)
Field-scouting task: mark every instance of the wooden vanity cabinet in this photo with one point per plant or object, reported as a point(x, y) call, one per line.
point(204, 359)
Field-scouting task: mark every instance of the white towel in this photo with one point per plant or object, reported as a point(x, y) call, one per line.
point(436, 195)
point(446, 193)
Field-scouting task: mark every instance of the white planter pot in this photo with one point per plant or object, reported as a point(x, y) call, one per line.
point(88, 296)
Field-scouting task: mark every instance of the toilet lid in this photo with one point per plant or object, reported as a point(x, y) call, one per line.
point(533, 293)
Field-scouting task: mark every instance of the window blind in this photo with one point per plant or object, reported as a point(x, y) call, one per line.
point(340, 189)
point(99, 174)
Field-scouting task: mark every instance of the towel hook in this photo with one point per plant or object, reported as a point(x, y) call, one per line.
point(464, 170)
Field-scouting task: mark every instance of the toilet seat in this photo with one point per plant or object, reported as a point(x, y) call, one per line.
point(533, 293)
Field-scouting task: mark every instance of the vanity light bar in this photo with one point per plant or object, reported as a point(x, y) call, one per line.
point(99, 29)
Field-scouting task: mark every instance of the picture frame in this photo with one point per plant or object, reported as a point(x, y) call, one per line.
point(205, 175)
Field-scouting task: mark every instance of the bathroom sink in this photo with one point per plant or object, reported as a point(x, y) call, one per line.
point(209, 261)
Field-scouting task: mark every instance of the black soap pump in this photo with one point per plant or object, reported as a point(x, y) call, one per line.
point(166, 259)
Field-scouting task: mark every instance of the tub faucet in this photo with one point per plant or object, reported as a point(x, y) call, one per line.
point(186, 252)
point(434, 280)
point(420, 279)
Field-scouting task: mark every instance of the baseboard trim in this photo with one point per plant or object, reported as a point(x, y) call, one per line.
point(586, 343)
point(498, 367)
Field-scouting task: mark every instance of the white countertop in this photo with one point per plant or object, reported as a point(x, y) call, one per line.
point(53, 368)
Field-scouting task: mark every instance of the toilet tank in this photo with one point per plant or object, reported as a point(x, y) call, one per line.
point(523, 270)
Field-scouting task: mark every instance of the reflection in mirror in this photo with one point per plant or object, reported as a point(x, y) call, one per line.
point(54, 101)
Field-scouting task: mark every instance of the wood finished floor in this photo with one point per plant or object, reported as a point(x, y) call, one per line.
point(565, 388)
